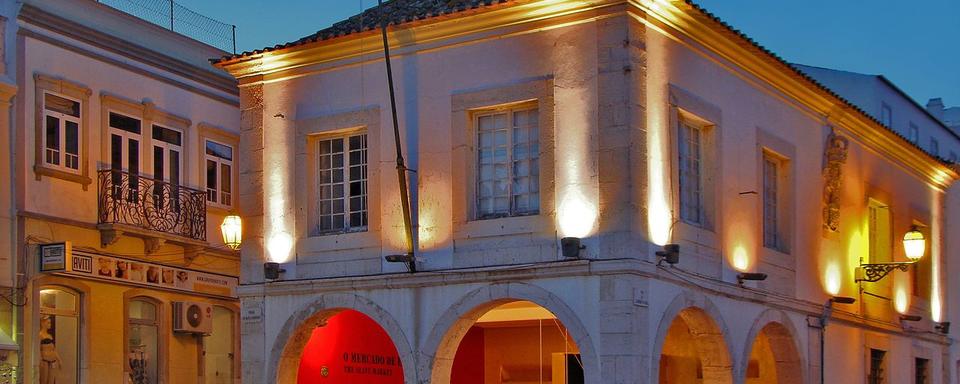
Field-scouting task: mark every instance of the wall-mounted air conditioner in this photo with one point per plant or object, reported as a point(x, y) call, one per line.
point(192, 317)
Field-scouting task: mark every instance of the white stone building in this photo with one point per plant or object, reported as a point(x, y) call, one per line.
point(628, 125)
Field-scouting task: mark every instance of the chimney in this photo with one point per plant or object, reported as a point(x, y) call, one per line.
point(935, 107)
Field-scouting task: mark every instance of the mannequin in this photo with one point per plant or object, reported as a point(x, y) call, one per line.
point(49, 358)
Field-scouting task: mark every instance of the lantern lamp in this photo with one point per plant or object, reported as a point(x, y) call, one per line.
point(232, 230)
point(914, 244)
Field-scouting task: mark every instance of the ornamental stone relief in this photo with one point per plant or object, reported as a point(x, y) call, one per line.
point(835, 155)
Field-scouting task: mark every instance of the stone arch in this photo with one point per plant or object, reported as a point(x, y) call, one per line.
point(284, 359)
point(777, 332)
point(709, 332)
point(437, 354)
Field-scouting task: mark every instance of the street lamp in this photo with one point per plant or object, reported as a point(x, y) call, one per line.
point(232, 231)
point(914, 246)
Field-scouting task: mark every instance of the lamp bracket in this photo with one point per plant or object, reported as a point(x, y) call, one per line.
point(877, 271)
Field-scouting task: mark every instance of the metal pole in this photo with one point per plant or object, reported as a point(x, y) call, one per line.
point(401, 168)
point(171, 15)
point(823, 329)
point(234, 39)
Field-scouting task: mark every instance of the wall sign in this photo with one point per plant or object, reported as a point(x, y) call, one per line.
point(116, 269)
point(55, 257)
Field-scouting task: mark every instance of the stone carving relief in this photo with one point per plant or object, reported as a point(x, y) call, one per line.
point(835, 155)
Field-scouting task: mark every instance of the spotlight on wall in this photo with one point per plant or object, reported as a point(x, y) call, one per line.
point(570, 247)
point(910, 318)
point(942, 327)
point(669, 254)
point(409, 259)
point(751, 276)
point(272, 270)
point(842, 300)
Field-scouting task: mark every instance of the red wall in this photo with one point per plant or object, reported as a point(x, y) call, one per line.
point(468, 365)
point(354, 349)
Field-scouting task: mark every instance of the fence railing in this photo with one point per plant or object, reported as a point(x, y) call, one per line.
point(144, 202)
point(175, 17)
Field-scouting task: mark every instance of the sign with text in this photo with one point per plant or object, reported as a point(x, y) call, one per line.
point(350, 348)
point(54, 257)
point(116, 269)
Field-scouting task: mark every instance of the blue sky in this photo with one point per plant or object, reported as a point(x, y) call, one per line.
point(915, 45)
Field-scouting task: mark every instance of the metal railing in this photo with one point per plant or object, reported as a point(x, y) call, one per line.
point(148, 203)
point(175, 17)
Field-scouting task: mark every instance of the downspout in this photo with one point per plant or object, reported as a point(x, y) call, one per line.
point(401, 167)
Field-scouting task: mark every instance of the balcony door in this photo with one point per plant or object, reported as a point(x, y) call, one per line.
point(167, 164)
point(125, 141)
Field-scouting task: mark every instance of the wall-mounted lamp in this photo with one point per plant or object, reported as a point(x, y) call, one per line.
point(910, 318)
point(942, 327)
point(670, 254)
point(409, 259)
point(272, 270)
point(570, 247)
point(751, 276)
point(232, 231)
point(914, 245)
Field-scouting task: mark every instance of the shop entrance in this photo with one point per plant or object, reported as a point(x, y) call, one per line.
point(694, 351)
point(349, 347)
point(517, 342)
point(774, 357)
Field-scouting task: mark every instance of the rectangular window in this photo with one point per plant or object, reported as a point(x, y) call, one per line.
point(880, 236)
point(921, 370)
point(342, 185)
point(508, 162)
point(61, 141)
point(934, 147)
point(886, 115)
point(690, 143)
point(125, 153)
point(876, 374)
point(914, 134)
point(219, 171)
point(774, 203)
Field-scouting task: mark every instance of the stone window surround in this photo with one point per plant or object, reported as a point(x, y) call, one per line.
point(785, 152)
point(222, 136)
point(148, 114)
point(464, 162)
point(687, 106)
point(46, 83)
point(309, 132)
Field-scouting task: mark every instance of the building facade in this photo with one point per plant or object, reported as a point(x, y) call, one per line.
point(728, 208)
point(122, 151)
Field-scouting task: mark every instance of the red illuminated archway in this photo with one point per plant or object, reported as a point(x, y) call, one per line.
point(349, 347)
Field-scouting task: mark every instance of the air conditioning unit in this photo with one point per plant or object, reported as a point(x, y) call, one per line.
point(192, 317)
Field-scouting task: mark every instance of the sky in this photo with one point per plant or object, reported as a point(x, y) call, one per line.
point(914, 44)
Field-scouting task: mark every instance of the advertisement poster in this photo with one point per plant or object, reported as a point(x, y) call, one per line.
point(102, 267)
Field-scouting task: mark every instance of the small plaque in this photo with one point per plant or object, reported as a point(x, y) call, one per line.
point(55, 257)
point(252, 313)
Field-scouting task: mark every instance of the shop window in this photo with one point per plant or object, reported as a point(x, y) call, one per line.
point(143, 342)
point(59, 336)
point(342, 185)
point(218, 348)
point(508, 162)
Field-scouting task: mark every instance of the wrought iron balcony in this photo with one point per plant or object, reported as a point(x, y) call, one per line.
point(132, 203)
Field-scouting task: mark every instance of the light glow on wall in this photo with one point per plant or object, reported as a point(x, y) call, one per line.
point(832, 278)
point(659, 212)
point(279, 247)
point(901, 301)
point(936, 217)
point(741, 260)
point(577, 215)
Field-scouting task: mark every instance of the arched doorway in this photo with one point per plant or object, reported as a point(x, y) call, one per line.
point(773, 357)
point(343, 346)
point(694, 351)
point(517, 342)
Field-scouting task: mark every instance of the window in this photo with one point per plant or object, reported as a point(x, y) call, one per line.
point(61, 139)
point(219, 171)
point(342, 184)
point(143, 342)
point(59, 336)
point(124, 153)
point(881, 242)
point(921, 370)
point(934, 147)
point(914, 134)
point(167, 167)
point(690, 143)
point(876, 374)
point(886, 115)
point(774, 202)
point(508, 162)
point(218, 355)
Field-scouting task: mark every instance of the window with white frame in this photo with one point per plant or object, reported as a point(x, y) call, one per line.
point(125, 142)
point(690, 151)
point(774, 202)
point(914, 134)
point(219, 166)
point(508, 162)
point(61, 139)
point(342, 179)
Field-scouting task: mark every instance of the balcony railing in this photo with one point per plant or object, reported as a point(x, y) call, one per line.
point(151, 204)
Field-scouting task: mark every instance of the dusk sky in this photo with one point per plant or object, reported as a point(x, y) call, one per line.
point(915, 47)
